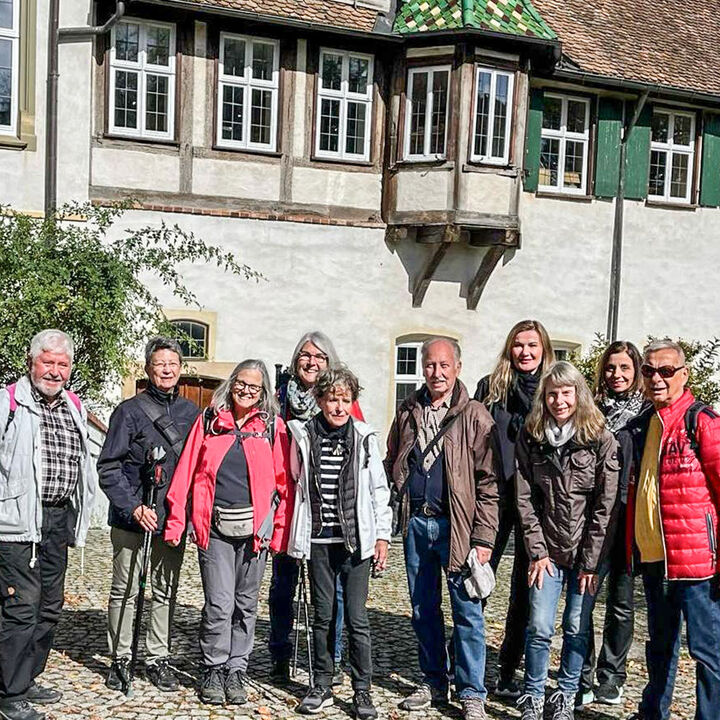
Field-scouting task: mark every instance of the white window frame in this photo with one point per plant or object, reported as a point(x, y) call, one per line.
point(494, 73)
point(670, 149)
point(13, 35)
point(563, 136)
point(142, 68)
point(344, 96)
point(249, 84)
point(418, 378)
point(429, 100)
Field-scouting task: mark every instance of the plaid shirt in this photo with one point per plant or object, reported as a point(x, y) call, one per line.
point(61, 447)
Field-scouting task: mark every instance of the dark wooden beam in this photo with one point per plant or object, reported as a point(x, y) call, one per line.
point(422, 281)
point(487, 265)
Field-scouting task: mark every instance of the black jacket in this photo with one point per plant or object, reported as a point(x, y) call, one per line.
point(122, 465)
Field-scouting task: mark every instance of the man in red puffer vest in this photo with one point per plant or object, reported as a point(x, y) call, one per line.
point(673, 483)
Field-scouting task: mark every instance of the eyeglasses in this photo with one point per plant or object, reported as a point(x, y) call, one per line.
point(171, 365)
point(320, 357)
point(242, 386)
point(664, 371)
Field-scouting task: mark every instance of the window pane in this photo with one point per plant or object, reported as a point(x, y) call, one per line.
point(501, 114)
point(483, 113)
point(355, 136)
point(549, 159)
point(6, 13)
point(407, 361)
point(232, 113)
point(332, 71)
point(126, 87)
point(127, 42)
point(660, 122)
point(573, 164)
point(329, 125)
point(261, 116)
point(158, 45)
point(417, 118)
point(576, 116)
point(682, 131)
point(358, 75)
point(263, 58)
point(437, 129)
point(156, 113)
point(234, 57)
point(552, 113)
point(192, 338)
point(402, 392)
point(679, 176)
point(658, 167)
point(5, 82)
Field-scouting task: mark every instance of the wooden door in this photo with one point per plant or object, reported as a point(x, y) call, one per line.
point(196, 389)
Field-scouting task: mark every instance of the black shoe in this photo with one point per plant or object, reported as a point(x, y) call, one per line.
point(362, 705)
point(160, 674)
point(19, 710)
point(317, 699)
point(338, 677)
point(212, 689)
point(609, 694)
point(235, 692)
point(280, 674)
point(119, 676)
point(40, 695)
point(508, 688)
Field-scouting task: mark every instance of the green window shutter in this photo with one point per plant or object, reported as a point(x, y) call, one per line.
point(607, 164)
point(637, 159)
point(532, 139)
point(710, 177)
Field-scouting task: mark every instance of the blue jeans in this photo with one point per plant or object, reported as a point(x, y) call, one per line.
point(541, 628)
point(427, 553)
point(667, 602)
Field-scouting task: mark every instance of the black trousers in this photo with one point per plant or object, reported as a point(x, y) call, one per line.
point(327, 563)
point(32, 599)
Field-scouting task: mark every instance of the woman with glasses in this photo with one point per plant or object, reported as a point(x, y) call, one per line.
point(233, 472)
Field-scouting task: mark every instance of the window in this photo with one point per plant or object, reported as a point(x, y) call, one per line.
point(248, 76)
point(493, 116)
point(564, 144)
point(345, 91)
point(9, 64)
point(193, 338)
point(671, 156)
point(426, 113)
point(142, 80)
point(565, 350)
point(408, 371)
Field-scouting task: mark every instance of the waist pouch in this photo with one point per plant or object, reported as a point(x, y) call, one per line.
point(234, 522)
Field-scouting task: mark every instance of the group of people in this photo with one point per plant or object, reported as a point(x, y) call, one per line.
point(595, 485)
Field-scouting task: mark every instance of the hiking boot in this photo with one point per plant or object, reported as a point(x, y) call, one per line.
point(160, 674)
point(362, 705)
point(508, 688)
point(562, 707)
point(212, 689)
point(531, 707)
point(424, 696)
point(338, 677)
point(315, 700)
point(235, 692)
point(119, 676)
point(473, 709)
point(609, 694)
point(19, 710)
point(39, 695)
point(280, 674)
point(583, 698)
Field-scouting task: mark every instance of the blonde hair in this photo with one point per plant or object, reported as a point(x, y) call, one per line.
point(589, 421)
point(504, 373)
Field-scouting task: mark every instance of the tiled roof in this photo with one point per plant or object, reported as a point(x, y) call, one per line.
point(667, 42)
point(515, 17)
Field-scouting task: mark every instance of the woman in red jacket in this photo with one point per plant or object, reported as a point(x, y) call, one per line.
point(234, 471)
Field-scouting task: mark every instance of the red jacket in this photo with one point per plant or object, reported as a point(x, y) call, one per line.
point(197, 468)
point(689, 491)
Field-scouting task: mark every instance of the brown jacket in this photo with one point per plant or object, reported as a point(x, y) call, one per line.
point(566, 503)
point(469, 469)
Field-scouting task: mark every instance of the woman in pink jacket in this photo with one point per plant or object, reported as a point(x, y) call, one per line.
point(233, 471)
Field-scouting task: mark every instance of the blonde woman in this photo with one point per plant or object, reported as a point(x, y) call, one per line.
point(566, 485)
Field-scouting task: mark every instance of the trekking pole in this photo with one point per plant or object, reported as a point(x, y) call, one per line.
point(156, 458)
point(302, 613)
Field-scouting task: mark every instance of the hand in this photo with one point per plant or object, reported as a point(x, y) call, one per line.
point(174, 542)
point(381, 553)
point(146, 518)
point(483, 554)
point(537, 572)
point(588, 582)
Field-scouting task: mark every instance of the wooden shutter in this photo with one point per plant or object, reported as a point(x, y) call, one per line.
point(607, 164)
point(532, 140)
point(637, 159)
point(710, 175)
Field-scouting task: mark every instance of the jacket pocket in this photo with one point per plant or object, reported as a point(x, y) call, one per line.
point(582, 470)
point(12, 503)
point(711, 534)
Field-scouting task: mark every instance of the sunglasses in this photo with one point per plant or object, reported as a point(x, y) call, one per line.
point(664, 371)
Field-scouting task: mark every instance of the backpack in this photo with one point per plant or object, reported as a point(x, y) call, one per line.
point(691, 423)
point(13, 403)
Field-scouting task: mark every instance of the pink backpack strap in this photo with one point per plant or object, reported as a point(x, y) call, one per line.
point(13, 403)
point(75, 400)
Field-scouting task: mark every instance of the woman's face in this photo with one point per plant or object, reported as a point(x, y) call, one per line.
point(246, 390)
point(619, 372)
point(527, 351)
point(310, 363)
point(561, 402)
point(335, 405)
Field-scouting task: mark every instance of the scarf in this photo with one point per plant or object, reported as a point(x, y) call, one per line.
point(619, 410)
point(520, 399)
point(301, 401)
point(557, 436)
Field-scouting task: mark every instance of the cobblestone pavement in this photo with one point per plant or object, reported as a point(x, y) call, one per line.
point(78, 664)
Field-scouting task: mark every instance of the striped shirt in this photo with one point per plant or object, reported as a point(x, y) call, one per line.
point(331, 459)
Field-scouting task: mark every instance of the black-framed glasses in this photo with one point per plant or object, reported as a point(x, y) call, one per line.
point(319, 357)
point(251, 389)
point(664, 371)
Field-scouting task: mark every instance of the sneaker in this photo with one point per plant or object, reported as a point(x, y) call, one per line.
point(160, 674)
point(636, 716)
point(423, 697)
point(473, 709)
point(39, 695)
point(235, 692)
point(508, 688)
point(280, 674)
point(338, 677)
point(19, 710)
point(531, 707)
point(119, 676)
point(609, 694)
point(362, 705)
point(212, 689)
point(583, 698)
point(562, 707)
point(317, 699)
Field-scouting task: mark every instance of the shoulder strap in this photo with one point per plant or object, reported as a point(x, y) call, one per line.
point(438, 436)
point(691, 422)
point(74, 399)
point(163, 423)
point(13, 406)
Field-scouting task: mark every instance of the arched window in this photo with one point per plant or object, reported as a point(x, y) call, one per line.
point(193, 338)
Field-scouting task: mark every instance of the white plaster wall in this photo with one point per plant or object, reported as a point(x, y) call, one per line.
point(333, 187)
point(136, 170)
point(233, 178)
point(423, 189)
point(485, 192)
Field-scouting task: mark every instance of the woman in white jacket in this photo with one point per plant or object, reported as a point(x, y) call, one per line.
point(341, 524)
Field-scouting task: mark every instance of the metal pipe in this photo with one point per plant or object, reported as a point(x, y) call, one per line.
point(93, 30)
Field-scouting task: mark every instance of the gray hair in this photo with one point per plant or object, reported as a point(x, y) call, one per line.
point(452, 342)
point(162, 342)
point(51, 340)
point(665, 344)
point(322, 342)
point(339, 376)
point(222, 397)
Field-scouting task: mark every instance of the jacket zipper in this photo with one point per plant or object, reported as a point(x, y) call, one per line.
point(711, 534)
point(659, 504)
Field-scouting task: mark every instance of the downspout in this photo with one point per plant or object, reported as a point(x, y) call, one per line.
point(55, 36)
point(616, 263)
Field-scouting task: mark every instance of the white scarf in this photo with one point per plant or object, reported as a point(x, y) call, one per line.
point(557, 436)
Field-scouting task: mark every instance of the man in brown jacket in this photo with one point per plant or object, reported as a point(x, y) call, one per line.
point(440, 459)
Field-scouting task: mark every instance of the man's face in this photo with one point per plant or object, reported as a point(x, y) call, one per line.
point(49, 372)
point(664, 391)
point(164, 369)
point(440, 369)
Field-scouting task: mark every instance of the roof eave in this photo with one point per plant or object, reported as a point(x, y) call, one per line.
point(479, 32)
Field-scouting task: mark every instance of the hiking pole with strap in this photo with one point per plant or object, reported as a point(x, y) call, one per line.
point(302, 609)
point(156, 458)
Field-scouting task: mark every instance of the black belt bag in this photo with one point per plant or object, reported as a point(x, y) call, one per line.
point(234, 522)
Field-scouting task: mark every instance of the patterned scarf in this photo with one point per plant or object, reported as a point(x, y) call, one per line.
point(619, 410)
point(301, 401)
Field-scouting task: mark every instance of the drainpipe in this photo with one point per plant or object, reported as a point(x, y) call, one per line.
point(616, 263)
point(55, 36)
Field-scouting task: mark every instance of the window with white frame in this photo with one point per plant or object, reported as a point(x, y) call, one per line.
point(9, 64)
point(408, 370)
point(248, 81)
point(344, 105)
point(493, 116)
point(426, 113)
point(142, 80)
point(671, 156)
point(564, 144)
